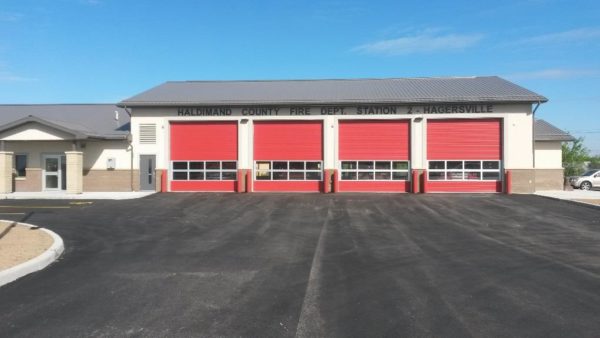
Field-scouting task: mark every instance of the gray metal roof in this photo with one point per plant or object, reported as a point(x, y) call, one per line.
point(544, 131)
point(81, 120)
point(353, 91)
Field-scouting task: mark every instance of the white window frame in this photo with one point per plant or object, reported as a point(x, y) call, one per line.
point(463, 171)
point(288, 170)
point(203, 171)
point(375, 170)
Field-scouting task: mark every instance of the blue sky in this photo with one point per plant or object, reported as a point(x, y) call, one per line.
point(80, 51)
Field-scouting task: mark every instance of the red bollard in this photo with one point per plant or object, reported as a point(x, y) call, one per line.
point(249, 180)
point(336, 181)
point(241, 181)
point(424, 182)
point(508, 183)
point(415, 182)
point(163, 180)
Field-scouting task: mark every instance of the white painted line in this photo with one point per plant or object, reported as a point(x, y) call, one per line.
point(12, 213)
point(35, 206)
point(37, 263)
point(310, 323)
point(82, 196)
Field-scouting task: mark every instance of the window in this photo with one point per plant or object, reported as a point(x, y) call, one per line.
point(20, 165)
point(289, 170)
point(204, 170)
point(375, 170)
point(464, 170)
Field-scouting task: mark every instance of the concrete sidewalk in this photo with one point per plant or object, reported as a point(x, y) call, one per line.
point(571, 195)
point(61, 195)
point(582, 196)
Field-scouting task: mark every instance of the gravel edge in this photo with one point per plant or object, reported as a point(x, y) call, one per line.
point(35, 264)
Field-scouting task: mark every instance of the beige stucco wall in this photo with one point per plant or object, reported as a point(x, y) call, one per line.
point(517, 121)
point(95, 155)
point(548, 155)
point(33, 132)
point(35, 149)
point(518, 141)
point(160, 148)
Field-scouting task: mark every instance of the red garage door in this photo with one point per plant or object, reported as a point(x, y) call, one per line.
point(288, 156)
point(374, 155)
point(204, 156)
point(464, 155)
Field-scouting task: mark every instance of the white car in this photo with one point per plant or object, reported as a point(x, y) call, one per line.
point(589, 180)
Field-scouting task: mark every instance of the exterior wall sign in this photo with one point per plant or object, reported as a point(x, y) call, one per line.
point(334, 110)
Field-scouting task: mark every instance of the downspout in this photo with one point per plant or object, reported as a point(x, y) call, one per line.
point(130, 141)
point(533, 142)
point(533, 131)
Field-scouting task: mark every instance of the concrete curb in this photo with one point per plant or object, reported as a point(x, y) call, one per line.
point(83, 196)
point(37, 263)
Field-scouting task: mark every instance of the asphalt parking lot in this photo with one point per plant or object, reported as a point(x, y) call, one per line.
point(345, 265)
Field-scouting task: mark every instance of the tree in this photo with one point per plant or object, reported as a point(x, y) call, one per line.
point(594, 162)
point(574, 156)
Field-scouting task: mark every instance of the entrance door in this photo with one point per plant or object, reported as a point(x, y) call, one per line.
point(147, 172)
point(54, 175)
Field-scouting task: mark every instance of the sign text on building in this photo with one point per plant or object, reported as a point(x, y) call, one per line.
point(335, 110)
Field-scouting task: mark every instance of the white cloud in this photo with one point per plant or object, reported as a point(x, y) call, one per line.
point(9, 77)
point(570, 36)
point(425, 42)
point(554, 74)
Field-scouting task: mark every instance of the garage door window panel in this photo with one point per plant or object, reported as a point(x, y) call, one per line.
point(374, 170)
point(196, 175)
point(297, 165)
point(204, 170)
point(467, 170)
point(289, 170)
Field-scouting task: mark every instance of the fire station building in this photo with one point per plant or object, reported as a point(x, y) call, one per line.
point(471, 134)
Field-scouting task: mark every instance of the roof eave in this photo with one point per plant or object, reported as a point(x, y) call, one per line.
point(134, 104)
point(77, 135)
point(555, 138)
point(108, 137)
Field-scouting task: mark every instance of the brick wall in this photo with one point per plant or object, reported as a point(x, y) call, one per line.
point(549, 179)
point(523, 181)
point(110, 180)
point(31, 182)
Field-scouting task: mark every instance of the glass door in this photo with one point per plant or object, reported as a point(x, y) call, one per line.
point(53, 172)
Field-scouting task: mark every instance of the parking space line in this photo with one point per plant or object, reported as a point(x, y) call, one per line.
point(36, 206)
point(310, 323)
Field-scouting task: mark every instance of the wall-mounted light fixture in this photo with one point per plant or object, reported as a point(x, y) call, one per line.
point(418, 119)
